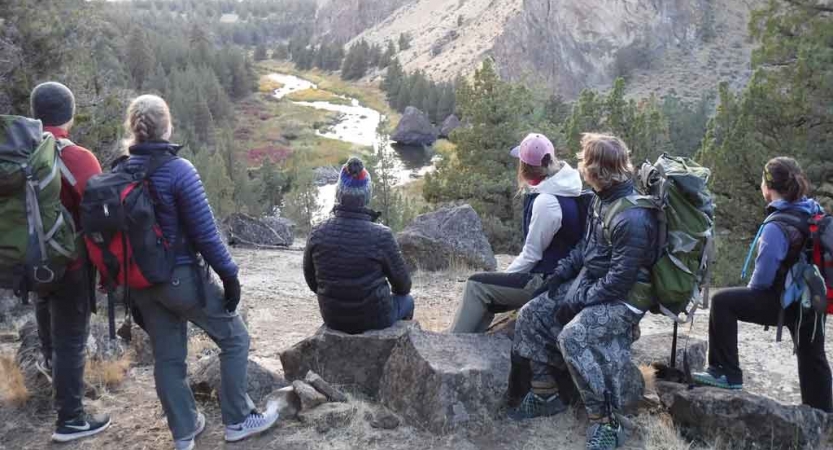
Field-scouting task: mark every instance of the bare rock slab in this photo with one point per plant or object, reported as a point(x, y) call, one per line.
point(353, 361)
point(321, 385)
point(206, 379)
point(744, 420)
point(310, 398)
point(443, 381)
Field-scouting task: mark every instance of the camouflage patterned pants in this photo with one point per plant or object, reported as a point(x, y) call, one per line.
point(595, 347)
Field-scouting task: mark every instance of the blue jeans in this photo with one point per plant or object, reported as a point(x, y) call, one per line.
point(403, 308)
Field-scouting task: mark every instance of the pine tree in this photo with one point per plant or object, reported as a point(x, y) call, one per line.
point(419, 92)
point(404, 41)
point(281, 52)
point(389, 55)
point(140, 59)
point(403, 97)
point(158, 82)
point(301, 204)
point(261, 53)
point(431, 103)
point(446, 103)
point(392, 80)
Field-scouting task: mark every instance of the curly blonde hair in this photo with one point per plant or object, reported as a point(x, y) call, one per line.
point(604, 160)
point(148, 119)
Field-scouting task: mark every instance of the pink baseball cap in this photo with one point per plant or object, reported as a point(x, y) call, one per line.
point(533, 148)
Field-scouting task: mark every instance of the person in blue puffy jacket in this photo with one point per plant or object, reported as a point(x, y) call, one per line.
point(780, 244)
point(188, 224)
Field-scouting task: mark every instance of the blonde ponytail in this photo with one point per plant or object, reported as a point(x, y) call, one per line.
point(148, 119)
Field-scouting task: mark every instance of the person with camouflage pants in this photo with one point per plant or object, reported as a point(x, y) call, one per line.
point(586, 323)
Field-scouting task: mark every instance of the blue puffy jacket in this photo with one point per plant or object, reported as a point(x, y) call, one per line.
point(183, 211)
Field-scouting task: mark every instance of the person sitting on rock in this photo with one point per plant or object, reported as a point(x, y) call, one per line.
point(552, 226)
point(355, 265)
point(781, 242)
point(585, 323)
point(191, 295)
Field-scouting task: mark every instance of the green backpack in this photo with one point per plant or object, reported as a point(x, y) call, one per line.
point(677, 189)
point(37, 234)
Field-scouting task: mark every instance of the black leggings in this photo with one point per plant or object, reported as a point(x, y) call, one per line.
point(761, 307)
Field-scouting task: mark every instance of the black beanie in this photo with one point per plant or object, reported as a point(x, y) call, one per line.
point(53, 104)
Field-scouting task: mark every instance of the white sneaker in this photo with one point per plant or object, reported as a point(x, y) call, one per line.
point(254, 424)
point(188, 444)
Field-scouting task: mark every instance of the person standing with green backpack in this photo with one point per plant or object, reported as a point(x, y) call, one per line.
point(43, 180)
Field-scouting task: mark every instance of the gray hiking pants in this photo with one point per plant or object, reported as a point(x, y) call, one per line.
point(489, 293)
point(166, 310)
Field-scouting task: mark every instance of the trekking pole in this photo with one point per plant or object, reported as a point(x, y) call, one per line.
point(674, 347)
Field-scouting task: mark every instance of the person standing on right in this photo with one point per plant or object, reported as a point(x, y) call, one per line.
point(785, 188)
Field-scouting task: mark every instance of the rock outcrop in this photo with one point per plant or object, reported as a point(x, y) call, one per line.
point(436, 240)
point(414, 129)
point(354, 361)
point(310, 397)
point(450, 124)
point(321, 385)
point(743, 420)
point(246, 231)
point(205, 379)
point(444, 381)
point(340, 20)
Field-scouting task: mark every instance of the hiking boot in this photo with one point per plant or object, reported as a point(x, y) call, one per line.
point(188, 444)
point(533, 406)
point(713, 378)
point(605, 436)
point(254, 424)
point(82, 426)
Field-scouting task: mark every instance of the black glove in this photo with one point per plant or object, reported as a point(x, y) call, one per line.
point(567, 312)
point(231, 289)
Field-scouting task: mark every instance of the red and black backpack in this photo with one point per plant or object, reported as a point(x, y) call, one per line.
point(123, 238)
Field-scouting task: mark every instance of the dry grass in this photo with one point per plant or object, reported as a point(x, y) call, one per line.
point(13, 390)
point(107, 374)
point(317, 95)
point(445, 148)
point(649, 374)
point(267, 85)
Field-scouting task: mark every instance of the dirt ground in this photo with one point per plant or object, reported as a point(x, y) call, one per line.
point(281, 311)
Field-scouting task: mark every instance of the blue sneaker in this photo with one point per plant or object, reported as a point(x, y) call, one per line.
point(534, 406)
point(605, 436)
point(713, 378)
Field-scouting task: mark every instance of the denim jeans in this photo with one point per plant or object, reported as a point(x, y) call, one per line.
point(403, 308)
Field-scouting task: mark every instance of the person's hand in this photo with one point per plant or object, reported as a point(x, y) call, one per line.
point(553, 285)
point(567, 312)
point(231, 289)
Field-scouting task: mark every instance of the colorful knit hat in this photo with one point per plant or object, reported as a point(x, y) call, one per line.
point(354, 185)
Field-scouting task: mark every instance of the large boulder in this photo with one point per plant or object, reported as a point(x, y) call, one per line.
point(355, 361)
point(450, 124)
point(743, 420)
point(206, 380)
point(414, 128)
point(246, 231)
point(284, 227)
point(442, 381)
point(656, 348)
point(325, 175)
point(436, 240)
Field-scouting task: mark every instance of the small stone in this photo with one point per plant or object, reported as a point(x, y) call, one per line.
point(321, 385)
point(310, 398)
point(289, 404)
point(385, 420)
point(329, 416)
point(8, 338)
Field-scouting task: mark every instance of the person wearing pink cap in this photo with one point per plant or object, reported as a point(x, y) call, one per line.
point(553, 223)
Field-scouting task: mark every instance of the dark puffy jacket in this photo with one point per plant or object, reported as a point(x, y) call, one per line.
point(611, 269)
point(183, 211)
point(348, 262)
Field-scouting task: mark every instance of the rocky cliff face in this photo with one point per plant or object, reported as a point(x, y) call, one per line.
point(574, 44)
point(343, 19)
point(568, 45)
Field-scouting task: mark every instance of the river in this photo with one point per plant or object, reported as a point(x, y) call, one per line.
point(357, 125)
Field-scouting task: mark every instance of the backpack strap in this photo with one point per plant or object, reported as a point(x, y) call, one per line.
point(621, 205)
point(66, 174)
